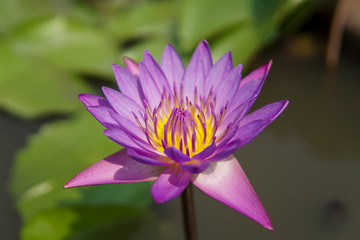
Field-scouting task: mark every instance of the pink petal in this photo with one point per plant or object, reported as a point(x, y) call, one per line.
point(116, 168)
point(257, 75)
point(132, 66)
point(226, 182)
point(170, 184)
point(172, 66)
point(197, 70)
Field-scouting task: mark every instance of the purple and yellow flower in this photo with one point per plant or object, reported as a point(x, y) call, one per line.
point(180, 125)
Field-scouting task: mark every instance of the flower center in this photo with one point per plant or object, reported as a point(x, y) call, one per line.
point(188, 126)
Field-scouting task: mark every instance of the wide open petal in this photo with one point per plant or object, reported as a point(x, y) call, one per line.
point(170, 184)
point(197, 70)
point(172, 66)
point(132, 66)
point(116, 168)
point(226, 182)
point(128, 84)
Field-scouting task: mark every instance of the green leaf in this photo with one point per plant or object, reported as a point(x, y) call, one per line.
point(201, 19)
point(155, 45)
point(82, 222)
point(66, 43)
point(141, 20)
point(57, 153)
point(30, 87)
point(14, 12)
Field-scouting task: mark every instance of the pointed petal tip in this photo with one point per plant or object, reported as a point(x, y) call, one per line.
point(204, 41)
point(81, 96)
point(132, 65)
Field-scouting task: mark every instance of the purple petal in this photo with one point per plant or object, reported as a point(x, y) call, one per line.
point(100, 108)
point(268, 112)
point(132, 66)
point(226, 182)
point(176, 155)
point(205, 153)
point(197, 70)
point(170, 184)
point(195, 166)
point(225, 91)
point(225, 151)
point(249, 131)
point(128, 84)
point(103, 115)
point(116, 168)
point(218, 72)
point(128, 126)
point(93, 101)
point(257, 75)
point(250, 86)
point(232, 117)
point(151, 91)
point(251, 125)
point(148, 158)
point(123, 139)
point(172, 66)
point(156, 72)
point(123, 105)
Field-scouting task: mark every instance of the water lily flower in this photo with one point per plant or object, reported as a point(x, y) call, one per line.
point(180, 125)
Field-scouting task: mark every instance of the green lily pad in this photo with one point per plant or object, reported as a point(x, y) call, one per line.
point(57, 153)
point(142, 20)
point(82, 222)
point(66, 43)
point(201, 19)
point(30, 87)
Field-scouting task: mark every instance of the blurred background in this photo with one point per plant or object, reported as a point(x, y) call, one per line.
point(305, 166)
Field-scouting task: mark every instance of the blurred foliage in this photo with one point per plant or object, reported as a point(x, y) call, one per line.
point(49, 50)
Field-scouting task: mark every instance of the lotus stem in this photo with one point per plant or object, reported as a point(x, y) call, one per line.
point(189, 213)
